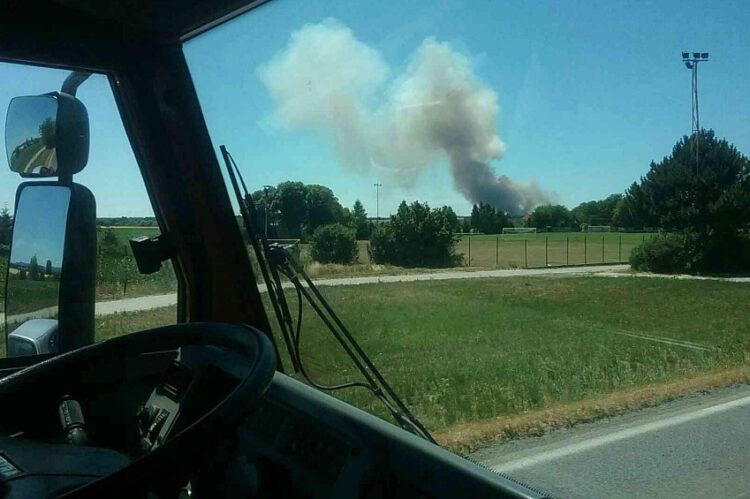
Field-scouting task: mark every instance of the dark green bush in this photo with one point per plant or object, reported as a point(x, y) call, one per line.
point(334, 243)
point(416, 236)
point(663, 253)
point(692, 253)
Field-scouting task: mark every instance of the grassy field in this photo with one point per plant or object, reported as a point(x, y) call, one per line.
point(29, 295)
point(547, 249)
point(473, 350)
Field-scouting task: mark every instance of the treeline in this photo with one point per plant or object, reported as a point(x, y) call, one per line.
point(126, 222)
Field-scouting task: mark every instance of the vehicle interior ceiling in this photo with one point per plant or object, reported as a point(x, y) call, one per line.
point(298, 440)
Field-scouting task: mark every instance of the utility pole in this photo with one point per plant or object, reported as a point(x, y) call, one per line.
point(377, 200)
point(692, 64)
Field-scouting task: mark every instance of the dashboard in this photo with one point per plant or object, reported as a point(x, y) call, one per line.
point(305, 443)
point(296, 442)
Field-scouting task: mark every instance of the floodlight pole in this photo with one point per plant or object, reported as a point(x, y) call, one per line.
point(692, 64)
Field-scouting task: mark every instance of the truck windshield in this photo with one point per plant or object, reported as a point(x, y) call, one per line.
point(495, 197)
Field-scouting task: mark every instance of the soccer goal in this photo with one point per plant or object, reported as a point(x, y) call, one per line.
point(519, 230)
point(599, 228)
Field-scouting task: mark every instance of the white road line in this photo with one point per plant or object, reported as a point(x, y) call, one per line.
point(618, 436)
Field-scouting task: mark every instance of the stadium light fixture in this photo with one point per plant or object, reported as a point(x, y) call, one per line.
point(696, 55)
point(686, 55)
point(704, 55)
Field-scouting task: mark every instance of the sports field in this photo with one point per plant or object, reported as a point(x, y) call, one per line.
point(547, 249)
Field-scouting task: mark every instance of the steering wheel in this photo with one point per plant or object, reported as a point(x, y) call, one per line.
point(186, 446)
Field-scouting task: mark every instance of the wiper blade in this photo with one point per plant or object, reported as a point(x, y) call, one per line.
point(274, 260)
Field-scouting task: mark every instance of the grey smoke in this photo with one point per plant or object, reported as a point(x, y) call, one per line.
point(328, 82)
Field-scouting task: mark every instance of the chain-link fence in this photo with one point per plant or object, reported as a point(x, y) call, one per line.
point(531, 250)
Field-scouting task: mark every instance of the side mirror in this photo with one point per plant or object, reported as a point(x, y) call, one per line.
point(50, 286)
point(47, 135)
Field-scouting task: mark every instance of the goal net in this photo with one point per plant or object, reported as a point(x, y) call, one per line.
point(519, 230)
point(599, 228)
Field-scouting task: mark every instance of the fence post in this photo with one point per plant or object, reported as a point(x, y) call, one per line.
point(497, 251)
point(567, 250)
point(526, 253)
point(469, 264)
point(585, 249)
point(643, 237)
point(602, 248)
point(546, 251)
point(619, 259)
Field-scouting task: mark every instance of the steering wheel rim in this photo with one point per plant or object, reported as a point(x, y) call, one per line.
point(191, 440)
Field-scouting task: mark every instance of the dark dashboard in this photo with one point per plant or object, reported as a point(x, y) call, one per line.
point(295, 442)
point(301, 440)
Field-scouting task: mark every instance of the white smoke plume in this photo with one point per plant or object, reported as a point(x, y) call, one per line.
point(329, 82)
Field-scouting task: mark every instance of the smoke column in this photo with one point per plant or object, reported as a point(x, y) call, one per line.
point(328, 82)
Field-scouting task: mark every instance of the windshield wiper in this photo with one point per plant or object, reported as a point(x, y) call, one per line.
point(275, 260)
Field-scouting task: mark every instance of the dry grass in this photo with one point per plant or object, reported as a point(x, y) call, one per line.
point(467, 437)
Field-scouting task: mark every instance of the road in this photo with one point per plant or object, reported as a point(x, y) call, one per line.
point(697, 446)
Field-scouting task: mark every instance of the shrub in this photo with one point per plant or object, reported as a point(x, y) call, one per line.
point(333, 243)
point(692, 252)
point(663, 253)
point(415, 236)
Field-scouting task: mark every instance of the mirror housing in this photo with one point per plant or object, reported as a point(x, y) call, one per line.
point(52, 269)
point(47, 135)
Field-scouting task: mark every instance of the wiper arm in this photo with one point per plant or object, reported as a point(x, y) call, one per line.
point(288, 265)
point(275, 259)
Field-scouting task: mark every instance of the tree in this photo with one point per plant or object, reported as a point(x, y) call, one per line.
point(110, 245)
point(47, 130)
point(297, 209)
point(48, 267)
point(416, 236)
point(359, 221)
point(6, 226)
point(321, 208)
point(548, 215)
point(290, 205)
point(485, 218)
point(599, 212)
point(334, 243)
point(33, 269)
point(700, 193)
point(450, 218)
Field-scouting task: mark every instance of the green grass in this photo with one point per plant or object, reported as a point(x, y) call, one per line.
point(463, 351)
point(124, 234)
point(109, 326)
point(471, 350)
point(28, 295)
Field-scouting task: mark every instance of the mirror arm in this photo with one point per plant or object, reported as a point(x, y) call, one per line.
point(73, 81)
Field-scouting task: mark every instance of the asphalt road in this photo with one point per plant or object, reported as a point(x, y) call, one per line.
point(695, 447)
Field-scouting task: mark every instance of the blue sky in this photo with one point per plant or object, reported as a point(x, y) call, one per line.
point(40, 225)
point(589, 93)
